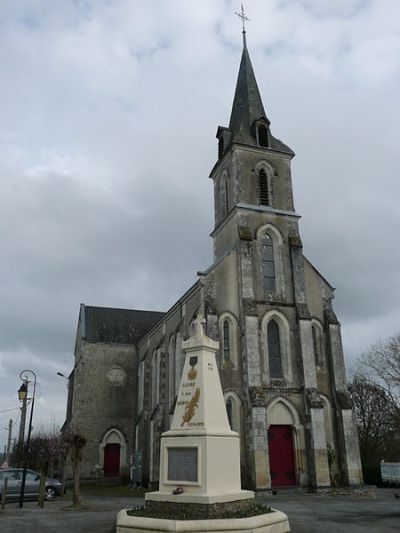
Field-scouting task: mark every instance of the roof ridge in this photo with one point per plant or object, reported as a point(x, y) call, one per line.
point(122, 309)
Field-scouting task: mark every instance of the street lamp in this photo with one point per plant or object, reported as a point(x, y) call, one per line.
point(23, 391)
point(23, 396)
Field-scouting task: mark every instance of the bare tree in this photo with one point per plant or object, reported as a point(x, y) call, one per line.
point(45, 449)
point(376, 396)
point(381, 364)
point(76, 443)
point(377, 421)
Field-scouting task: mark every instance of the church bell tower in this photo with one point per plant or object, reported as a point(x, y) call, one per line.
point(252, 174)
point(289, 360)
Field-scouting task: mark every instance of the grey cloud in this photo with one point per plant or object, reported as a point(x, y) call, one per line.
point(108, 116)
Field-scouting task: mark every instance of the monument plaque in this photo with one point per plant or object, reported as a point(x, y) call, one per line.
point(182, 464)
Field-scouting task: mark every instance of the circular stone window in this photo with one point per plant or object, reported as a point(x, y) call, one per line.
point(116, 376)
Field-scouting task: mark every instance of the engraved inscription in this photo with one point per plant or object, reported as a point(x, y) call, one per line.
point(182, 464)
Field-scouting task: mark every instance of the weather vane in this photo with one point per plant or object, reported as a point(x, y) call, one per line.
point(243, 17)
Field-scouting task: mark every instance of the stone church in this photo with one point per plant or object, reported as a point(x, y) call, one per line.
point(280, 359)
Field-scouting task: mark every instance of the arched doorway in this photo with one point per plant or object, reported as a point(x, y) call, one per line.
point(283, 442)
point(281, 455)
point(112, 454)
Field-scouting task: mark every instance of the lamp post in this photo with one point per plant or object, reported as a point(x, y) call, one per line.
point(23, 396)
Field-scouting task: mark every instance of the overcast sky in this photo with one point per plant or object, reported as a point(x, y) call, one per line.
point(108, 114)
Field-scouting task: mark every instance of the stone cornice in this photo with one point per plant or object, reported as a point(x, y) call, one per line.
point(252, 207)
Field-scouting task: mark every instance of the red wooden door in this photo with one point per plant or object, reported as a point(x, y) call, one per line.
point(111, 460)
point(281, 456)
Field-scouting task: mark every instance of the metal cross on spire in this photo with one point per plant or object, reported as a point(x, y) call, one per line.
point(244, 19)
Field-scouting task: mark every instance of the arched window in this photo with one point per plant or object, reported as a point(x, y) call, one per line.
point(171, 369)
point(234, 412)
point(155, 378)
point(274, 350)
point(268, 263)
point(229, 412)
point(262, 136)
point(141, 387)
point(226, 195)
point(317, 344)
point(226, 341)
point(224, 191)
point(277, 346)
point(263, 185)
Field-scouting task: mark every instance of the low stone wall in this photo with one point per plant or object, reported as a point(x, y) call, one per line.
point(274, 522)
point(366, 491)
point(199, 511)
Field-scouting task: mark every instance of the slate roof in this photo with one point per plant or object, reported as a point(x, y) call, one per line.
point(247, 104)
point(248, 107)
point(121, 326)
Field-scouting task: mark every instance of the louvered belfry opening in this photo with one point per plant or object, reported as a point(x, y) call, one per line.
point(220, 147)
point(263, 136)
point(263, 183)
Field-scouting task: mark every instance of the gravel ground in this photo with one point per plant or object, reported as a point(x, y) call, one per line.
point(308, 513)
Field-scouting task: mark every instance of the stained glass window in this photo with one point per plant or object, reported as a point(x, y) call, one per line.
point(274, 350)
point(229, 411)
point(227, 348)
point(268, 264)
point(317, 345)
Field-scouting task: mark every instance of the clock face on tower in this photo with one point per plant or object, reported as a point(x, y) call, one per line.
point(116, 376)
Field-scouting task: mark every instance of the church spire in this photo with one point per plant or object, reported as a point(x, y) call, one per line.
point(247, 104)
point(249, 123)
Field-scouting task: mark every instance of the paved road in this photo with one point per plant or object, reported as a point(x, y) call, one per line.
point(307, 514)
point(310, 513)
point(99, 516)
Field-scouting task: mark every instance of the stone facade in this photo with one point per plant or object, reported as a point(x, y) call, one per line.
point(280, 360)
point(101, 394)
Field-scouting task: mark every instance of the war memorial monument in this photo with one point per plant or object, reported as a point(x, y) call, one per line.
point(200, 460)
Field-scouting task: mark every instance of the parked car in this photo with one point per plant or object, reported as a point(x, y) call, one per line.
point(53, 487)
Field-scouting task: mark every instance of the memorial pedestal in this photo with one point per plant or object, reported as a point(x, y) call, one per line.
point(200, 459)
